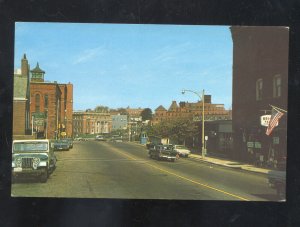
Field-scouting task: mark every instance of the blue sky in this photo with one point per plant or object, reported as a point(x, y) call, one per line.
point(120, 65)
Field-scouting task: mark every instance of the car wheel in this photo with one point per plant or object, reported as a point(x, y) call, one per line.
point(44, 176)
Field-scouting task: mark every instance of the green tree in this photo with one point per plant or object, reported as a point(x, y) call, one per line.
point(101, 109)
point(178, 129)
point(122, 111)
point(146, 114)
point(183, 128)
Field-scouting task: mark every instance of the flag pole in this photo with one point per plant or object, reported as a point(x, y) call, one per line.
point(277, 108)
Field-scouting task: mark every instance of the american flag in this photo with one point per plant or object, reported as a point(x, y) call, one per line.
point(276, 115)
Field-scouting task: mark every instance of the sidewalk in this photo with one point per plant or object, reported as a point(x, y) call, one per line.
point(231, 164)
point(224, 162)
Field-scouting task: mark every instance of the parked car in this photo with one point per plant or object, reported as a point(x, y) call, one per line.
point(79, 139)
point(33, 158)
point(100, 138)
point(182, 150)
point(163, 152)
point(117, 139)
point(69, 141)
point(61, 145)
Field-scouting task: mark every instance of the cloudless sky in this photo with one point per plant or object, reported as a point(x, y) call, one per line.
point(120, 65)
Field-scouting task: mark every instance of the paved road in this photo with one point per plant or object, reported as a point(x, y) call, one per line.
point(95, 169)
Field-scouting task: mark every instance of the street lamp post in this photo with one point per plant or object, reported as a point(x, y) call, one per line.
point(203, 136)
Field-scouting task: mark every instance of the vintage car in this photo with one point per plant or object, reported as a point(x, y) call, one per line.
point(182, 150)
point(60, 145)
point(100, 138)
point(33, 158)
point(69, 141)
point(163, 152)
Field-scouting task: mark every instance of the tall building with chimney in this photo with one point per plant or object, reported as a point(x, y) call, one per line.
point(41, 108)
point(21, 100)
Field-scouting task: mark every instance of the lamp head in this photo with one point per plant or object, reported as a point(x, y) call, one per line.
point(182, 92)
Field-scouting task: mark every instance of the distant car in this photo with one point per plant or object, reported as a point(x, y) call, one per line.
point(80, 139)
point(33, 158)
point(69, 141)
point(100, 138)
point(117, 140)
point(60, 145)
point(163, 152)
point(182, 150)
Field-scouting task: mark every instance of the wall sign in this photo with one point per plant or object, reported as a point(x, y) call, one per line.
point(265, 119)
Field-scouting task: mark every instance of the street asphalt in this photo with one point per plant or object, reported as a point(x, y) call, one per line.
point(98, 169)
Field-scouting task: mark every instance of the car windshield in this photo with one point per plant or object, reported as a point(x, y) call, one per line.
point(180, 147)
point(30, 146)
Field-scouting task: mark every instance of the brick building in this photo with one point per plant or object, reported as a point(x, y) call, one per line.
point(192, 110)
point(260, 79)
point(43, 109)
point(134, 112)
point(90, 122)
point(21, 100)
point(51, 106)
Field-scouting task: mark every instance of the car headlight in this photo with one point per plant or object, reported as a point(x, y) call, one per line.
point(35, 162)
point(18, 162)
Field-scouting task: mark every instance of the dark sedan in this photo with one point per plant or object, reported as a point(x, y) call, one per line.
point(60, 145)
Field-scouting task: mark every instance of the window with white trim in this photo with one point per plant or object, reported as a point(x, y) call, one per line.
point(259, 89)
point(277, 86)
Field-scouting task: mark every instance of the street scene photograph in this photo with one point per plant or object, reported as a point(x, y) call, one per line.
point(150, 111)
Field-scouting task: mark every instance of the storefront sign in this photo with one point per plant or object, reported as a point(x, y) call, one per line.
point(63, 133)
point(265, 119)
point(257, 145)
point(38, 119)
point(253, 144)
point(250, 144)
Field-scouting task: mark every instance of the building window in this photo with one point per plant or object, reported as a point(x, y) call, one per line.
point(259, 88)
point(277, 86)
point(46, 101)
point(37, 103)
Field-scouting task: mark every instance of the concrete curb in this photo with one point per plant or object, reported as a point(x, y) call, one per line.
point(229, 164)
point(232, 165)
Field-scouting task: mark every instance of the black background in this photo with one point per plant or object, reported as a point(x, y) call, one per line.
point(108, 212)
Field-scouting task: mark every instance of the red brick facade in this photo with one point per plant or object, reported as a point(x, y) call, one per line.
point(59, 110)
point(42, 107)
point(191, 110)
